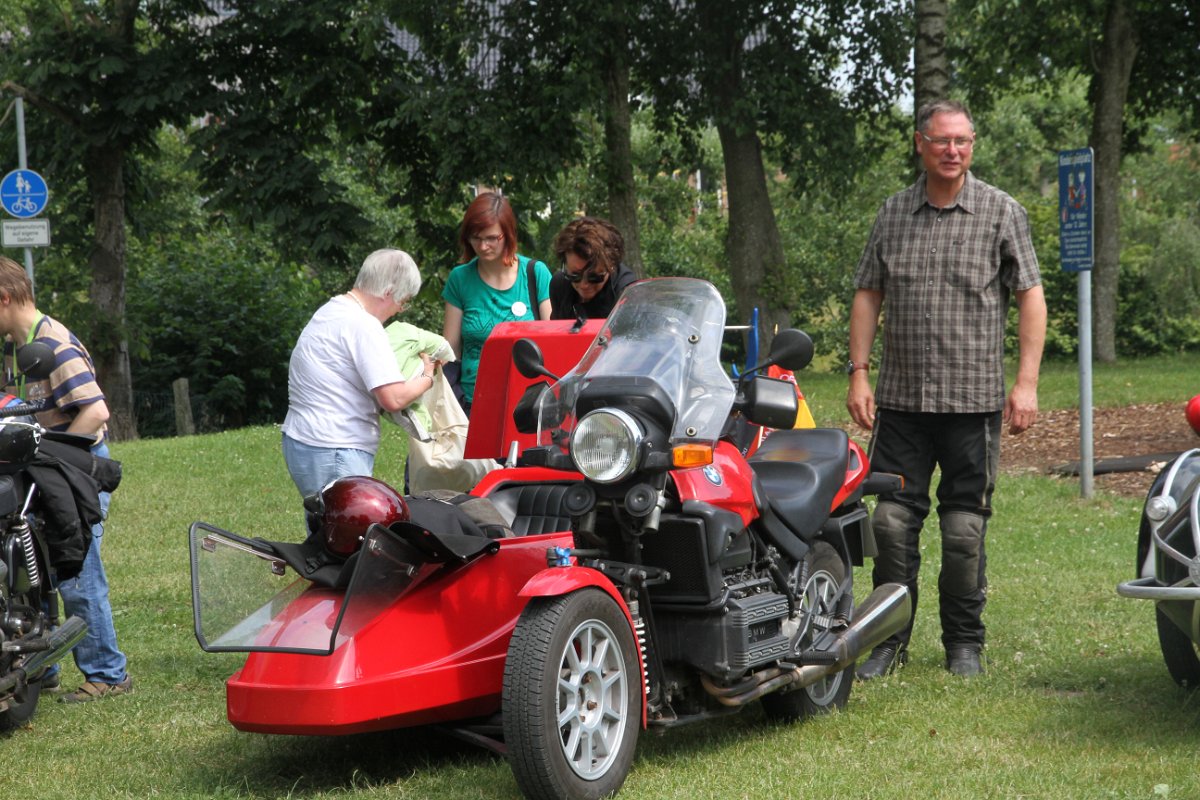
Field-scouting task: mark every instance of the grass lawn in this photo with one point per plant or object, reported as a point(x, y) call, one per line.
point(1076, 704)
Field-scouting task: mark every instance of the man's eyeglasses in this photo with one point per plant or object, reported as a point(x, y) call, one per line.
point(592, 277)
point(490, 241)
point(942, 142)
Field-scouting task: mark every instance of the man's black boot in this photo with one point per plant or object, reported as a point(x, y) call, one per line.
point(885, 658)
point(963, 660)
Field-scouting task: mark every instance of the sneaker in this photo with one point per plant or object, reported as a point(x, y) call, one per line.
point(93, 690)
point(51, 683)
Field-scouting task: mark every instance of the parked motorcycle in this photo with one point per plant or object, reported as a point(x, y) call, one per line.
point(640, 573)
point(1168, 560)
point(33, 550)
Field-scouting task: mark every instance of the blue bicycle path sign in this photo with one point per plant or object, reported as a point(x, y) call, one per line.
point(23, 193)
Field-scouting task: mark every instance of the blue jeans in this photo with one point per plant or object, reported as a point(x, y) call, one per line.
point(313, 467)
point(86, 596)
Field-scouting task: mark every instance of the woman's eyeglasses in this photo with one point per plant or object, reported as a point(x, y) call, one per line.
point(592, 277)
point(490, 241)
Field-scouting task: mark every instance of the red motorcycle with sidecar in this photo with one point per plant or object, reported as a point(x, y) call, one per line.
point(630, 569)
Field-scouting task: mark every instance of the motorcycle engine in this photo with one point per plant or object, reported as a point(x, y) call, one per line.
point(747, 632)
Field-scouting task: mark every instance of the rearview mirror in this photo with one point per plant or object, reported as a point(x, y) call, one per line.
point(527, 357)
point(791, 349)
point(35, 360)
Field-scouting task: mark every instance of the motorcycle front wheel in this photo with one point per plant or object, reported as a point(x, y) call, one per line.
point(572, 697)
point(818, 604)
point(1180, 653)
point(21, 706)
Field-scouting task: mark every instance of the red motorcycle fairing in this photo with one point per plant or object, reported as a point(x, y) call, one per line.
point(436, 654)
point(726, 483)
point(857, 469)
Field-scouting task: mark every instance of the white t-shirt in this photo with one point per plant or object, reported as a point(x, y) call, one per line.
point(342, 354)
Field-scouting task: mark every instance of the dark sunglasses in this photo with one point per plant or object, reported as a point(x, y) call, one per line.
point(592, 277)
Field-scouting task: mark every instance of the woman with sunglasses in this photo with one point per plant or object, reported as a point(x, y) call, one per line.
point(593, 276)
point(492, 286)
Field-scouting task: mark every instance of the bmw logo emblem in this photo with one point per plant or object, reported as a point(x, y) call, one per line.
point(713, 475)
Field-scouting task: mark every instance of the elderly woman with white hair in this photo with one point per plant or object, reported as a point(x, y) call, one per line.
point(343, 371)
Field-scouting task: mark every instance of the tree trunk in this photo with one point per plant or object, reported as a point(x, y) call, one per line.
point(622, 192)
point(106, 183)
point(753, 246)
point(931, 68)
point(1115, 63)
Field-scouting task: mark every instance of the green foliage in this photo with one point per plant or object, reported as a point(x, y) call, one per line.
point(208, 301)
point(223, 316)
point(288, 83)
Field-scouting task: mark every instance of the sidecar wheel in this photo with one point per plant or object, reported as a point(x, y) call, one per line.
point(572, 697)
point(21, 706)
point(827, 573)
point(1181, 654)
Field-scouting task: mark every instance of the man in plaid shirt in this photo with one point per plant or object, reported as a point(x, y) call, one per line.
point(945, 253)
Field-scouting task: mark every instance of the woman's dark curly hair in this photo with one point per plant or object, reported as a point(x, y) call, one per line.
point(597, 241)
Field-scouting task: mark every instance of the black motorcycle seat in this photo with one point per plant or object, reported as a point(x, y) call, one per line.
point(533, 508)
point(801, 471)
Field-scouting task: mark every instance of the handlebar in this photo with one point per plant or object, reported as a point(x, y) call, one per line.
point(25, 409)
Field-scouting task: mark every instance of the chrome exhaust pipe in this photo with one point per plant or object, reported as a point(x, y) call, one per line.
point(57, 644)
point(885, 612)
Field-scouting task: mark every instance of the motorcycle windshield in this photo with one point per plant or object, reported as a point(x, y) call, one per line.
point(244, 599)
point(665, 330)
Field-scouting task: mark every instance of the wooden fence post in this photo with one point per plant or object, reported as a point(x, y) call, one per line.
point(184, 425)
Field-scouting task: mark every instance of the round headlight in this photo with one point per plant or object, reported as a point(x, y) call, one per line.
point(1160, 507)
point(605, 445)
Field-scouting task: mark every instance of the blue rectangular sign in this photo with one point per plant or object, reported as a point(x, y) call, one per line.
point(1075, 220)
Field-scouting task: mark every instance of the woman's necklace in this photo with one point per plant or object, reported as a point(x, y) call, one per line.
point(354, 297)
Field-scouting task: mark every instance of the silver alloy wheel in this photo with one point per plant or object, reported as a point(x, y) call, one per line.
point(592, 703)
point(818, 604)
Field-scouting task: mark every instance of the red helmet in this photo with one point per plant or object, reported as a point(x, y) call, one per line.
point(1193, 413)
point(350, 505)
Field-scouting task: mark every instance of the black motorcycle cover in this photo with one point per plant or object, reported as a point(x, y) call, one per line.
point(69, 483)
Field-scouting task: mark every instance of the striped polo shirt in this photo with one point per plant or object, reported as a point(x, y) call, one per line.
point(72, 384)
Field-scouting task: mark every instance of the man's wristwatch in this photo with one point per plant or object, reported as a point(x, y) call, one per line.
point(855, 366)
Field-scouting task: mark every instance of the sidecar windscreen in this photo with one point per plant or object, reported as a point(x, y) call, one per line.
point(246, 599)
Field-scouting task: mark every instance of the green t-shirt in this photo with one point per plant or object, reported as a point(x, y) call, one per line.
point(483, 308)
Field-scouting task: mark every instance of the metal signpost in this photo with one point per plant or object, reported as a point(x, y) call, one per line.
point(1076, 227)
point(24, 195)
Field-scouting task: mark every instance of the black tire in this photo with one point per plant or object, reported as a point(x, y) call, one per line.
point(827, 574)
point(21, 707)
point(555, 753)
point(1179, 651)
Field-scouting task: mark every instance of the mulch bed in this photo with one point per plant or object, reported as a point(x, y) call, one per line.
point(1136, 439)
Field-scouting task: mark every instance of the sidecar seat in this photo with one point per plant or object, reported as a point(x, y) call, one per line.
point(800, 472)
point(533, 508)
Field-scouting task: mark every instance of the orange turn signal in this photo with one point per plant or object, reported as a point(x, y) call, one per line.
point(691, 455)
